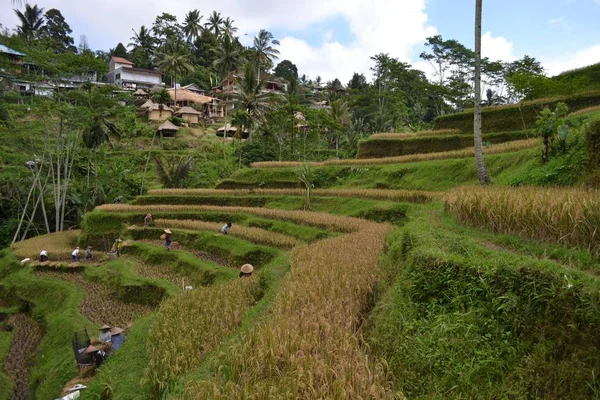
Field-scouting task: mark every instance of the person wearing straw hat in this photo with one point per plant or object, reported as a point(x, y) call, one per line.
point(116, 247)
point(105, 336)
point(246, 271)
point(148, 220)
point(168, 239)
point(97, 353)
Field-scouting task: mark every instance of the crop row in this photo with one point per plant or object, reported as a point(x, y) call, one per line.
point(323, 220)
point(411, 196)
point(464, 153)
point(20, 357)
point(565, 216)
point(100, 305)
point(405, 135)
point(309, 346)
point(190, 325)
point(255, 235)
point(59, 246)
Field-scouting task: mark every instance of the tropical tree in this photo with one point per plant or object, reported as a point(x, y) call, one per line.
point(174, 59)
point(340, 112)
point(286, 70)
point(142, 47)
point(265, 51)
point(214, 23)
point(249, 97)
point(57, 32)
point(228, 28)
point(484, 178)
point(32, 21)
point(192, 26)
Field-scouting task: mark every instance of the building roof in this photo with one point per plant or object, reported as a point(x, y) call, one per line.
point(194, 88)
point(188, 95)
point(188, 110)
point(149, 103)
point(156, 107)
point(121, 60)
point(168, 126)
point(140, 92)
point(7, 50)
point(229, 128)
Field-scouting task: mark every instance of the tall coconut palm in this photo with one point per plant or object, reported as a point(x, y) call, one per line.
point(141, 39)
point(484, 178)
point(32, 21)
point(340, 112)
point(192, 26)
point(227, 58)
point(249, 96)
point(265, 51)
point(215, 23)
point(174, 59)
point(228, 28)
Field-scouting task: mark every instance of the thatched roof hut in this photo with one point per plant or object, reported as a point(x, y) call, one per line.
point(167, 129)
point(185, 96)
point(189, 114)
point(230, 130)
point(156, 114)
point(149, 103)
point(140, 92)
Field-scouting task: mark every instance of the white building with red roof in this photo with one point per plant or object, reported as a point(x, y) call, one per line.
point(122, 72)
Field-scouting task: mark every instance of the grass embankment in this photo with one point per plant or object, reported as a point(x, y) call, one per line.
point(6, 385)
point(442, 155)
point(514, 116)
point(564, 216)
point(464, 319)
point(59, 245)
point(390, 146)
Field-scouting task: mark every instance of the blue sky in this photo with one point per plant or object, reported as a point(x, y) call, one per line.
point(333, 38)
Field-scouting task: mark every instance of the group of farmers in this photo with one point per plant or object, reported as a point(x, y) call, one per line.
point(167, 236)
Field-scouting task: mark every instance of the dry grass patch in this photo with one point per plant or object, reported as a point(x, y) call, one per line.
point(406, 135)
point(569, 217)
point(255, 235)
point(59, 245)
point(411, 196)
point(190, 325)
point(587, 110)
point(464, 153)
point(323, 220)
point(309, 346)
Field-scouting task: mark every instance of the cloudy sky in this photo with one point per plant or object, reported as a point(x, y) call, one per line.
point(334, 38)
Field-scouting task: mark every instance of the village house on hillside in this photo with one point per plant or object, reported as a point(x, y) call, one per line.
point(123, 73)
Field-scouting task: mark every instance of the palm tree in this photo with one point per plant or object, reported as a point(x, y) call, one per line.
point(192, 26)
point(32, 21)
point(484, 178)
point(228, 28)
point(265, 52)
point(340, 112)
point(141, 39)
point(250, 97)
point(214, 23)
point(174, 59)
point(227, 57)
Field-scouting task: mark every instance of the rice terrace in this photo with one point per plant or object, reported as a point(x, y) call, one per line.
point(363, 200)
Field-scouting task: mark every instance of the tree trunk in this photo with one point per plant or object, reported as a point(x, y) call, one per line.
point(484, 179)
point(546, 143)
point(175, 79)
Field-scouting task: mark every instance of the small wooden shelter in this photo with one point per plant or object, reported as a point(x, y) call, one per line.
point(188, 114)
point(140, 92)
point(230, 131)
point(167, 129)
point(158, 112)
point(149, 103)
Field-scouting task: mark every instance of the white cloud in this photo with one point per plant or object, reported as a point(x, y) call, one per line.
point(497, 48)
point(581, 58)
point(560, 22)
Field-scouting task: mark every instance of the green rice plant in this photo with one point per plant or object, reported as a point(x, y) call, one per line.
point(409, 196)
point(464, 153)
point(189, 326)
point(402, 135)
point(255, 235)
point(309, 346)
point(569, 217)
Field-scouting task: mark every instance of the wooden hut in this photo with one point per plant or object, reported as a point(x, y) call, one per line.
point(156, 112)
point(230, 131)
point(140, 92)
point(188, 114)
point(149, 103)
point(167, 129)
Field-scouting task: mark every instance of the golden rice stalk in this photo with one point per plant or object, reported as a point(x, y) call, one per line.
point(464, 153)
point(568, 217)
point(255, 235)
point(59, 245)
point(309, 346)
point(323, 220)
point(406, 135)
point(411, 196)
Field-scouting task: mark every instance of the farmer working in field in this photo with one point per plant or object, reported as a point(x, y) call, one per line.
point(105, 336)
point(116, 247)
point(148, 220)
point(75, 254)
point(225, 228)
point(88, 253)
point(43, 256)
point(246, 271)
point(168, 239)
